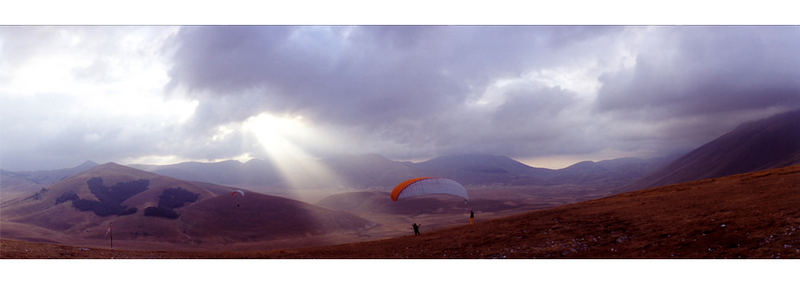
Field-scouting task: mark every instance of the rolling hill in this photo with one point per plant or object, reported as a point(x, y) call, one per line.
point(484, 169)
point(757, 145)
point(16, 183)
point(608, 174)
point(582, 181)
point(153, 211)
point(750, 215)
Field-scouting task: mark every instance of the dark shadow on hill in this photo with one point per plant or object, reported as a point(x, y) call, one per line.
point(110, 198)
point(67, 196)
point(37, 195)
point(170, 199)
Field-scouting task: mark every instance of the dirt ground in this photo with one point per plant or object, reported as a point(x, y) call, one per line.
point(751, 215)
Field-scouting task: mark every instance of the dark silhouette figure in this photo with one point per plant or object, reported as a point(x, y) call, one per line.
point(416, 229)
point(471, 217)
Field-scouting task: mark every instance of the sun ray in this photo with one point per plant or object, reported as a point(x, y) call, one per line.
point(308, 178)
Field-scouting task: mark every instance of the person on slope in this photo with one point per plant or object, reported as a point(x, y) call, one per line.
point(416, 228)
point(471, 217)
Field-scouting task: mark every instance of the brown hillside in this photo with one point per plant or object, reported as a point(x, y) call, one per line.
point(768, 143)
point(69, 225)
point(206, 216)
point(751, 215)
point(261, 217)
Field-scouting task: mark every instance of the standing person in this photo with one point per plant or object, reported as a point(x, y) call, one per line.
point(471, 217)
point(416, 229)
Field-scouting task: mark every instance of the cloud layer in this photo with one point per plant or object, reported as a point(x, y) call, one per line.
point(407, 92)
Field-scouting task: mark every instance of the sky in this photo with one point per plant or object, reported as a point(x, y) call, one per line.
point(549, 96)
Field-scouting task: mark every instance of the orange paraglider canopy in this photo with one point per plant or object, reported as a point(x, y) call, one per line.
point(399, 188)
point(427, 186)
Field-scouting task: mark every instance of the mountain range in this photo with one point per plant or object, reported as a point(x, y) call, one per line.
point(15, 183)
point(767, 143)
point(196, 205)
point(375, 172)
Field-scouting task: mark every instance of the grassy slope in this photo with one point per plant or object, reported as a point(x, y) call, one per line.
point(750, 215)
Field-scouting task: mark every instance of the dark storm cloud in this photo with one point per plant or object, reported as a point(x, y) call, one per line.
point(411, 85)
point(533, 120)
point(402, 83)
point(300, 69)
point(701, 70)
point(381, 72)
point(525, 105)
point(694, 83)
point(407, 92)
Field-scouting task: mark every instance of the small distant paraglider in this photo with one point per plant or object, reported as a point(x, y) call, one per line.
point(234, 193)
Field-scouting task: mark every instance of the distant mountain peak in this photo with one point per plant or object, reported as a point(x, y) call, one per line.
point(113, 167)
point(472, 158)
point(584, 163)
point(86, 164)
point(475, 155)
